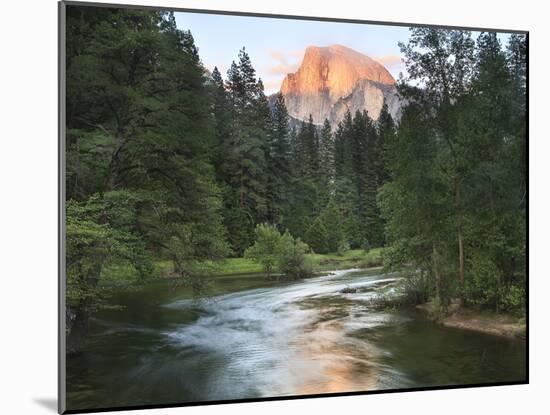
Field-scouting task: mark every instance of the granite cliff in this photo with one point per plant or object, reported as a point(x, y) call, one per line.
point(333, 79)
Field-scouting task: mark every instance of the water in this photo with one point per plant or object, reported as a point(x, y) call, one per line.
point(272, 339)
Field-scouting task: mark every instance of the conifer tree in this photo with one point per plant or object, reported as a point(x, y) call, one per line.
point(316, 237)
point(245, 163)
point(279, 163)
point(385, 130)
point(326, 157)
point(222, 117)
point(140, 143)
point(332, 220)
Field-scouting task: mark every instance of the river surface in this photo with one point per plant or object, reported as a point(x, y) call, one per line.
point(258, 339)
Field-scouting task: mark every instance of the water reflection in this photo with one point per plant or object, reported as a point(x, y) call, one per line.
point(273, 340)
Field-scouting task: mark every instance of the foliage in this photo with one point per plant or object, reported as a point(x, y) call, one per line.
point(316, 236)
point(293, 261)
point(267, 247)
point(332, 220)
point(460, 146)
point(94, 239)
point(140, 140)
point(279, 252)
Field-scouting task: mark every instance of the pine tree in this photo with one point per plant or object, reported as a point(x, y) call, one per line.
point(300, 152)
point(307, 151)
point(222, 117)
point(385, 130)
point(279, 163)
point(326, 156)
point(332, 220)
point(137, 101)
point(344, 183)
point(316, 237)
point(517, 63)
point(245, 163)
point(264, 131)
point(364, 177)
point(342, 147)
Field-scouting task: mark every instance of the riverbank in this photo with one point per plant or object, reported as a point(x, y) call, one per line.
point(354, 258)
point(504, 325)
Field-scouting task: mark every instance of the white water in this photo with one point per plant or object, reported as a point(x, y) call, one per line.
point(286, 339)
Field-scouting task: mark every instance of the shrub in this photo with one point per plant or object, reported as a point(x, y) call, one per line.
point(292, 257)
point(513, 298)
point(280, 252)
point(481, 287)
point(267, 247)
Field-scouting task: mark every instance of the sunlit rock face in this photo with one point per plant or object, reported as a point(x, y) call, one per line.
point(332, 80)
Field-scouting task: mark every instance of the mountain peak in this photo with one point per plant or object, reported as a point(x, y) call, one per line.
point(336, 68)
point(326, 75)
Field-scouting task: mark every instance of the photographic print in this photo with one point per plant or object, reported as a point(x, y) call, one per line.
point(263, 207)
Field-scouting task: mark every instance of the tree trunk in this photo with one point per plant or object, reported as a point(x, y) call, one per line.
point(460, 244)
point(461, 264)
point(497, 299)
point(112, 180)
point(437, 275)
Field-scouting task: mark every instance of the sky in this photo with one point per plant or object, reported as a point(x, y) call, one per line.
point(276, 46)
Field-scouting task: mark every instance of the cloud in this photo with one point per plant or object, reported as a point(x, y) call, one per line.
point(278, 65)
point(281, 69)
point(277, 55)
point(390, 61)
point(285, 62)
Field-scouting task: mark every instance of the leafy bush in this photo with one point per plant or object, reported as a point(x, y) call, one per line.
point(266, 250)
point(292, 257)
point(513, 298)
point(481, 288)
point(279, 252)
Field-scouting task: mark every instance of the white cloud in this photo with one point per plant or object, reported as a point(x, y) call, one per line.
point(280, 63)
point(284, 62)
point(390, 61)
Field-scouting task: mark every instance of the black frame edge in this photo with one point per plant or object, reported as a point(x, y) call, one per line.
point(61, 324)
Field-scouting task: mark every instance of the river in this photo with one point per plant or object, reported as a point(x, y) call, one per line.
point(257, 339)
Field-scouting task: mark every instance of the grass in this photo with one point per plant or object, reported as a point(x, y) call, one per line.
point(229, 266)
point(232, 266)
point(355, 258)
